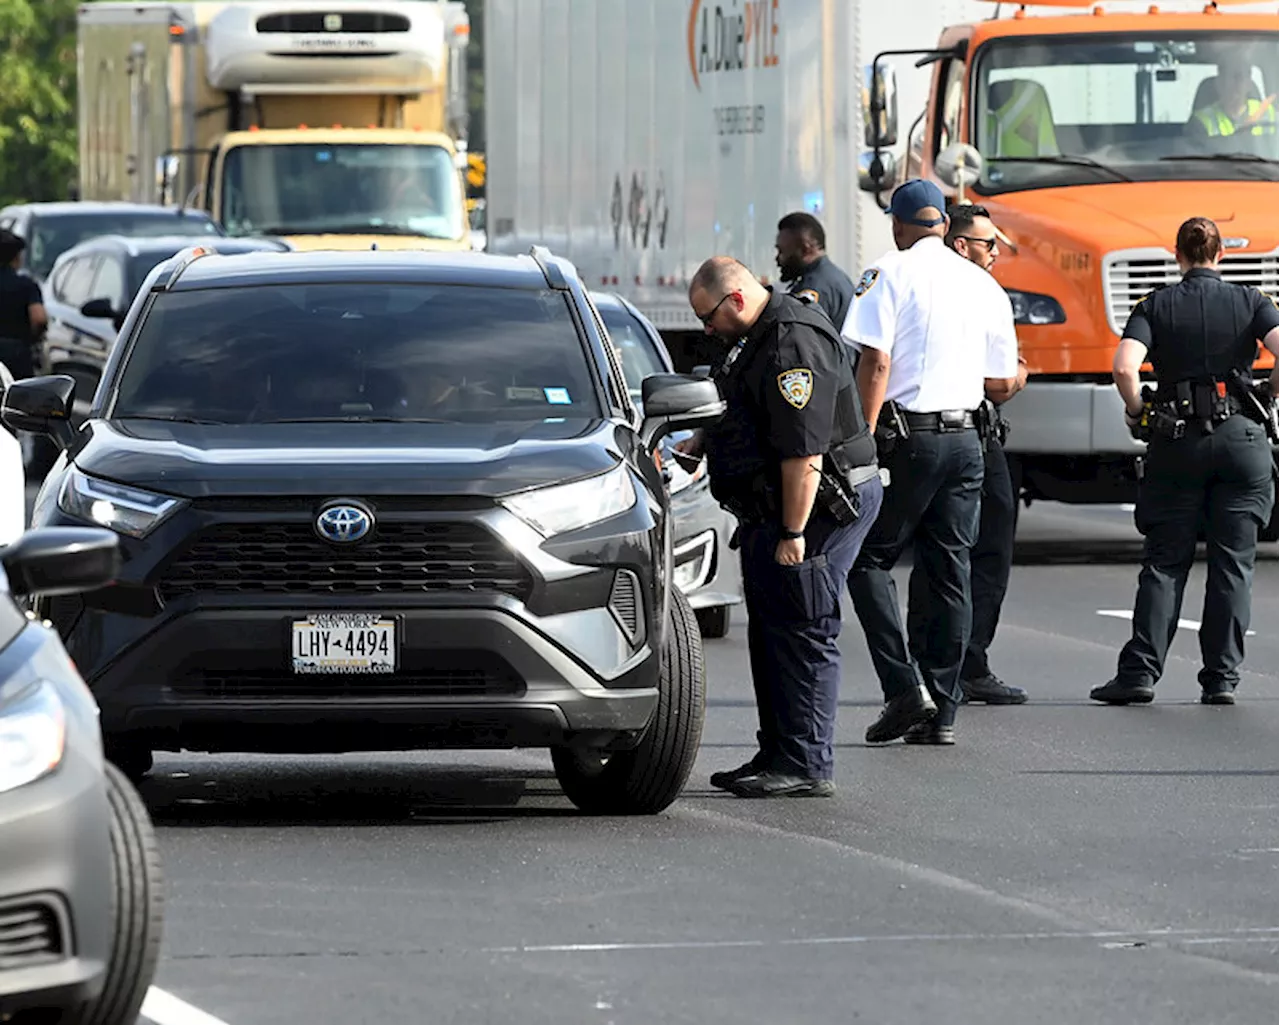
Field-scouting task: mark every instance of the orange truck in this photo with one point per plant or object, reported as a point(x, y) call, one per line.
point(1097, 133)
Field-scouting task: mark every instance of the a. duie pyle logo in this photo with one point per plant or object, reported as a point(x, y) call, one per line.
point(732, 36)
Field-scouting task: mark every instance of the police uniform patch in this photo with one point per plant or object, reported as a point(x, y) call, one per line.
point(865, 282)
point(807, 295)
point(796, 386)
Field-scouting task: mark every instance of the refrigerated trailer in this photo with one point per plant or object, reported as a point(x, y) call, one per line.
point(331, 125)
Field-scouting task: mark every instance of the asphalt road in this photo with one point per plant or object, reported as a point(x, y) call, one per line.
point(1064, 863)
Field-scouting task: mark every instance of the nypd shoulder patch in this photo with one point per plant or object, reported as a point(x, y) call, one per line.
point(807, 295)
point(865, 282)
point(796, 386)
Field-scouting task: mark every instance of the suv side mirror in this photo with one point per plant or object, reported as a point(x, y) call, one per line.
point(41, 405)
point(61, 560)
point(879, 106)
point(99, 309)
point(675, 402)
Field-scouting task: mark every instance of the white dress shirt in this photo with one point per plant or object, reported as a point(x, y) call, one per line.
point(945, 323)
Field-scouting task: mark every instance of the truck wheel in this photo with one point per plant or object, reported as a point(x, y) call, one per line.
point(649, 777)
point(136, 905)
point(713, 621)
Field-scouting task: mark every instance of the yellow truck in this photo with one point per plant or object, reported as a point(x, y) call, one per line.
point(334, 127)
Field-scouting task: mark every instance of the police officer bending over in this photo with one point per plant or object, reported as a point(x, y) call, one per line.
point(802, 259)
point(1208, 462)
point(794, 461)
point(935, 334)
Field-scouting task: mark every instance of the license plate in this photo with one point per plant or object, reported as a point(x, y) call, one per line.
point(344, 643)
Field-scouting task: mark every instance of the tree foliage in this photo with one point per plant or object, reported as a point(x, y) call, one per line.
point(38, 151)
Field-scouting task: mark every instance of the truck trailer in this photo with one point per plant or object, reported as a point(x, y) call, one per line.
point(334, 127)
point(638, 139)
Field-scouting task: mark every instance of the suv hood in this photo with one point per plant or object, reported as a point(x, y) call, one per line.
point(197, 460)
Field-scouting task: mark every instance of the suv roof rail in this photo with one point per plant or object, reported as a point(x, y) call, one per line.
point(185, 259)
point(551, 271)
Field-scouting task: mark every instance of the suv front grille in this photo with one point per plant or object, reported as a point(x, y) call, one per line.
point(400, 558)
point(29, 935)
point(315, 21)
point(1129, 275)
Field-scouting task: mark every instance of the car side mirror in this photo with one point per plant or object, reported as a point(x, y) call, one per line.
point(41, 405)
point(61, 560)
point(99, 309)
point(674, 402)
point(702, 370)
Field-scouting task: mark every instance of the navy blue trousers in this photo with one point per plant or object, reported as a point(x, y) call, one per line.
point(793, 622)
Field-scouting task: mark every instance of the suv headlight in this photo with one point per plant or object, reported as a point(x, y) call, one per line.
point(33, 735)
point(1033, 308)
point(125, 510)
point(566, 507)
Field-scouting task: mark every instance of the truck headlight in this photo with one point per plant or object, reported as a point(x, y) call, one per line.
point(33, 736)
point(566, 507)
point(1033, 308)
point(125, 510)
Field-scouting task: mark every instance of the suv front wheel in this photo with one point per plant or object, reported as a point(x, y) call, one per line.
point(648, 778)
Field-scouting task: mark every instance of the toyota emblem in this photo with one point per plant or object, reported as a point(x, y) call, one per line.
point(344, 523)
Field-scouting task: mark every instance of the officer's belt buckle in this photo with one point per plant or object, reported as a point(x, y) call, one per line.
point(953, 420)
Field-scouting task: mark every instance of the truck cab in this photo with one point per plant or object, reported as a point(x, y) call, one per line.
point(1096, 134)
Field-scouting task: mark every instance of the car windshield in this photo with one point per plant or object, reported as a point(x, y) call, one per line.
point(635, 348)
point(53, 235)
point(346, 189)
point(273, 353)
point(1107, 108)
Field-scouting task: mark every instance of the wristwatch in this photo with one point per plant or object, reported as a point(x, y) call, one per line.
point(790, 535)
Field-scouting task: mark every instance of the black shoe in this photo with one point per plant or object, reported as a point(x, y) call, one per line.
point(781, 784)
point(1116, 693)
point(992, 691)
point(1226, 696)
point(930, 733)
point(901, 714)
point(725, 780)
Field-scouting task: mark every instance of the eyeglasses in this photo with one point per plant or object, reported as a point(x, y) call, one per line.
point(990, 243)
point(706, 317)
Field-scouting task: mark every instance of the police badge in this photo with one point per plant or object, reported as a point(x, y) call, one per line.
point(796, 386)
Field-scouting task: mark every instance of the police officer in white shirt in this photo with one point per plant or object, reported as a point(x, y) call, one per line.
point(935, 333)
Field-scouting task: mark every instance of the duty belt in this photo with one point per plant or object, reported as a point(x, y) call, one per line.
point(944, 421)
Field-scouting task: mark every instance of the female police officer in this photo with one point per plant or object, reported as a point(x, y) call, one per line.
point(1208, 462)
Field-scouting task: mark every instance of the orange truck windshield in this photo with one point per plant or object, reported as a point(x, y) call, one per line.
point(1094, 108)
point(343, 188)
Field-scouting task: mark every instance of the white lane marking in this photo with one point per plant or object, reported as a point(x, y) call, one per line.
point(1265, 934)
point(1185, 624)
point(166, 1009)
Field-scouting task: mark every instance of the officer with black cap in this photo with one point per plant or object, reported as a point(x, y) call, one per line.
point(22, 314)
point(935, 333)
point(1208, 463)
point(795, 463)
point(802, 259)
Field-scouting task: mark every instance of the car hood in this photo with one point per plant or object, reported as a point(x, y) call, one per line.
point(197, 460)
point(1100, 218)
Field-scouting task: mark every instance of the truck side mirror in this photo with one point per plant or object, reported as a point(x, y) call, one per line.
point(876, 173)
point(879, 106)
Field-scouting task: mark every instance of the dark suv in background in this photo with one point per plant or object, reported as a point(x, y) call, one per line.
point(380, 500)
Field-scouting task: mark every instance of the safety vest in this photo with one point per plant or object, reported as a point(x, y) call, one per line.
point(1023, 127)
point(1217, 121)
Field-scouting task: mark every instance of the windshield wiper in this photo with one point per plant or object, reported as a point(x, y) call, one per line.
point(169, 419)
point(1244, 158)
point(1065, 158)
point(357, 419)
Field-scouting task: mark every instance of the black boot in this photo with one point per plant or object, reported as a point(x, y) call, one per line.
point(901, 714)
point(1113, 692)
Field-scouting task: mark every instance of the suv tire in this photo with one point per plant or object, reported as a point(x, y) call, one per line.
point(136, 906)
point(648, 778)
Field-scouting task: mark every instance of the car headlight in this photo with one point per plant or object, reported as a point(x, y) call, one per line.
point(566, 507)
point(33, 735)
point(122, 509)
point(1033, 308)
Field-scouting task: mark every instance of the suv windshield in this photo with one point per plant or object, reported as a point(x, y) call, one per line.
point(53, 235)
point(347, 188)
point(273, 353)
point(1107, 108)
